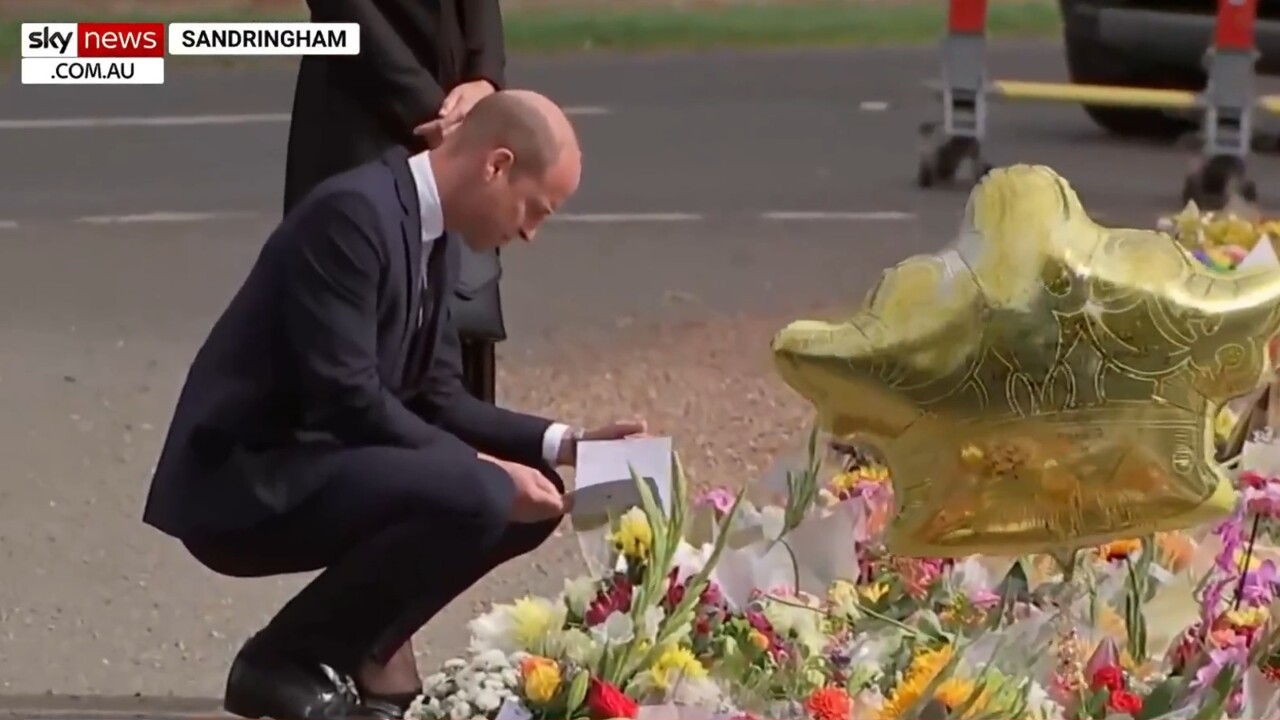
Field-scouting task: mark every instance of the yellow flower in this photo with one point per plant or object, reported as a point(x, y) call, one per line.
point(841, 592)
point(847, 481)
point(758, 639)
point(674, 665)
point(541, 678)
point(1224, 424)
point(634, 537)
point(954, 693)
point(920, 673)
point(871, 594)
point(1248, 618)
point(1254, 562)
point(532, 619)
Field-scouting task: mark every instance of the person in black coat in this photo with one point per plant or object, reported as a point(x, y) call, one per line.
point(422, 67)
point(323, 424)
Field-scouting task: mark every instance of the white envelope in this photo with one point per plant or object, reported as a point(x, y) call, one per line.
point(603, 483)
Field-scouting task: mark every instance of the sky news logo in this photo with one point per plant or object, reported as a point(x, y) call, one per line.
point(134, 53)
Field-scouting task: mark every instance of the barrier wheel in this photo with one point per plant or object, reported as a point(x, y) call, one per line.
point(1219, 182)
point(941, 157)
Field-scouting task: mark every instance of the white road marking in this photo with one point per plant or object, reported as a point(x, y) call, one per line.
point(873, 215)
point(873, 106)
point(8, 224)
point(85, 123)
point(626, 217)
point(164, 217)
point(155, 121)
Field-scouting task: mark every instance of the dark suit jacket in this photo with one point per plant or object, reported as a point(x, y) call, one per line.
point(317, 351)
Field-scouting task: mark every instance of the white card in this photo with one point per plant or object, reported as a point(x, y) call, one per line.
point(603, 482)
point(513, 709)
point(1263, 255)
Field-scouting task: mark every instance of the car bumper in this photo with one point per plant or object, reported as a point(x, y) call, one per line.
point(1167, 38)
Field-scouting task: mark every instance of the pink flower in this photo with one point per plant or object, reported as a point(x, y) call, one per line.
point(719, 499)
point(1261, 494)
point(984, 599)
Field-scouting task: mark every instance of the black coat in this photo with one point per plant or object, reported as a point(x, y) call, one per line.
point(348, 110)
point(320, 350)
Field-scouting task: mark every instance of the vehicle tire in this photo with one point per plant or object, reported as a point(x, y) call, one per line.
point(1092, 63)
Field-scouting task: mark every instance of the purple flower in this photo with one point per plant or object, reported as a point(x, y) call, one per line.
point(1260, 584)
point(1236, 656)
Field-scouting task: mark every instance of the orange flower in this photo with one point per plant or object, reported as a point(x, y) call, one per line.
point(830, 703)
point(1119, 549)
point(1175, 550)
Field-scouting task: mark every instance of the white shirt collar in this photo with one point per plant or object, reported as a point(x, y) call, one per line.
point(428, 196)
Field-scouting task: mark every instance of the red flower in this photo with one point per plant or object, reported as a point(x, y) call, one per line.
point(1109, 677)
point(830, 703)
point(617, 597)
point(1124, 701)
point(605, 701)
point(675, 590)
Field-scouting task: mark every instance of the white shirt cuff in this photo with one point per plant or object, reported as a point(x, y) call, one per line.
point(551, 441)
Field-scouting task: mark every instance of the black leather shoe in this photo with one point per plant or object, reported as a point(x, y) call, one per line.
point(267, 683)
point(382, 709)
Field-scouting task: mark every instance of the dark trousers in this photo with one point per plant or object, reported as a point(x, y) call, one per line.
point(397, 540)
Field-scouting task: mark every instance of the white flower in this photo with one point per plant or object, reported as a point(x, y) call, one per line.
point(690, 560)
point(1040, 706)
point(574, 645)
point(491, 659)
point(460, 711)
point(649, 623)
point(698, 692)
point(803, 624)
point(434, 682)
point(617, 629)
point(488, 701)
point(578, 594)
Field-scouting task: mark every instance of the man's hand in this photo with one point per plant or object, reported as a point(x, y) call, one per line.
point(568, 454)
point(461, 99)
point(537, 498)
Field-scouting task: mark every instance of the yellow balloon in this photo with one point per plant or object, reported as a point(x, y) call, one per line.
point(1044, 382)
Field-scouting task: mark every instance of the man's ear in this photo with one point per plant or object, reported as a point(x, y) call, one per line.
point(500, 162)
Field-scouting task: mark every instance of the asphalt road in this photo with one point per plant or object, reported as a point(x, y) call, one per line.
point(724, 183)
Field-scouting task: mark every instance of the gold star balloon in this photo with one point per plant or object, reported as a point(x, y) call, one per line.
point(1043, 383)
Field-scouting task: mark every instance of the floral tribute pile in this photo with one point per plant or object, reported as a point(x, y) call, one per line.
point(1219, 240)
point(720, 609)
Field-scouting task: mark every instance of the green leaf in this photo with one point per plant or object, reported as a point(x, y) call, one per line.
point(1159, 701)
point(1135, 622)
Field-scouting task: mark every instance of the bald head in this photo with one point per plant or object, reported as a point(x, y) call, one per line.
point(531, 126)
point(511, 164)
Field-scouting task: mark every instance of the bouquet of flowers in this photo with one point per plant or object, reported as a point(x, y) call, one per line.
point(607, 644)
point(797, 610)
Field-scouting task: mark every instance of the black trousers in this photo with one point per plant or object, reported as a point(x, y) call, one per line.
point(396, 540)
